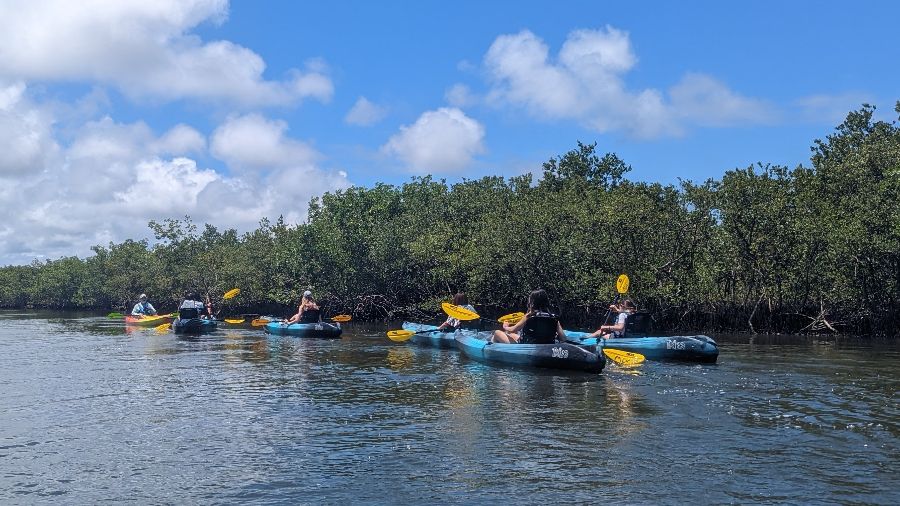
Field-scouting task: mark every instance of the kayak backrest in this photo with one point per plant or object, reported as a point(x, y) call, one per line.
point(186, 313)
point(310, 316)
point(637, 325)
point(540, 329)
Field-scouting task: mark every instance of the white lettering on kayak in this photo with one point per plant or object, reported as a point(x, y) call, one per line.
point(560, 352)
point(672, 344)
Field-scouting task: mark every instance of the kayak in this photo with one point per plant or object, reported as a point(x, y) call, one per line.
point(430, 335)
point(661, 348)
point(193, 325)
point(148, 321)
point(567, 356)
point(321, 330)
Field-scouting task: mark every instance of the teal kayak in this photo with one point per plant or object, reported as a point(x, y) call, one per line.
point(660, 348)
point(193, 325)
point(429, 335)
point(565, 356)
point(320, 330)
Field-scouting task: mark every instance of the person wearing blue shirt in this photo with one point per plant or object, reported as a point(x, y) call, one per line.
point(143, 308)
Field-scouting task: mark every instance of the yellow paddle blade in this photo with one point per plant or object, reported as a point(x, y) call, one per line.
point(511, 317)
point(622, 283)
point(231, 293)
point(399, 335)
point(234, 320)
point(625, 358)
point(460, 313)
point(162, 328)
point(341, 318)
point(259, 322)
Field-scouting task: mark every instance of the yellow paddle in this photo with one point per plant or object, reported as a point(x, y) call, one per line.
point(511, 317)
point(404, 335)
point(230, 294)
point(460, 313)
point(624, 358)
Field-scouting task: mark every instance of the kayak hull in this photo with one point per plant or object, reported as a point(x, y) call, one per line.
point(564, 356)
point(147, 321)
point(193, 325)
point(313, 330)
point(699, 348)
point(430, 336)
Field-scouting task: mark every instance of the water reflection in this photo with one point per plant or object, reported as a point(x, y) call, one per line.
point(239, 416)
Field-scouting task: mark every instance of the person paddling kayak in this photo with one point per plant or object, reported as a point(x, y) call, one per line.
point(538, 326)
point(143, 308)
point(193, 307)
point(625, 309)
point(452, 323)
point(307, 311)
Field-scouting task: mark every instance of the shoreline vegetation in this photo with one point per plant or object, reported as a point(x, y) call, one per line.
point(813, 249)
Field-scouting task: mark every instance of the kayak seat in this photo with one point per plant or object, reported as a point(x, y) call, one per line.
point(188, 313)
point(540, 329)
point(310, 316)
point(637, 325)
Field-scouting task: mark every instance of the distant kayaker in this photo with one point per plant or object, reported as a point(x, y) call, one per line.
point(452, 323)
point(193, 307)
point(624, 308)
point(538, 326)
point(307, 311)
point(143, 308)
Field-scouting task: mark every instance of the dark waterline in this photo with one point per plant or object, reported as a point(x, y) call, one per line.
point(93, 413)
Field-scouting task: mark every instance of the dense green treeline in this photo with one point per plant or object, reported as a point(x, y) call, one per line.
point(766, 248)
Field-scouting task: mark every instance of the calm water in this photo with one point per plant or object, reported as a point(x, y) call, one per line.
point(90, 413)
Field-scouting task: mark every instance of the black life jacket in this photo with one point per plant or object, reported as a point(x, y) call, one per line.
point(188, 313)
point(310, 316)
point(540, 328)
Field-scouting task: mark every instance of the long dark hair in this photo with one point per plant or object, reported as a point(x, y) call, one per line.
point(460, 299)
point(538, 300)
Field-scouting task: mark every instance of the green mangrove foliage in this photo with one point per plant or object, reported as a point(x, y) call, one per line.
point(765, 248)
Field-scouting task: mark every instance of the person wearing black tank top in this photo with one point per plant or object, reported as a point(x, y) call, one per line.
point(307, 312)
point(538, 326)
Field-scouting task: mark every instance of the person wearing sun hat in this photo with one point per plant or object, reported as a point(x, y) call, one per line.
point(307, 312)
point(143, 308)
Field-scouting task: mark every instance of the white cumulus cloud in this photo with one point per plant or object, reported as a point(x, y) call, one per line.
point(585, 82)
point(26, 138)
point(365, 113)
point(145, 48)
point(444, 140)
point(252, 142)
point(109, 179)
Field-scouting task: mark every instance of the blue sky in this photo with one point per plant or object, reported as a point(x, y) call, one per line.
point(113, 113)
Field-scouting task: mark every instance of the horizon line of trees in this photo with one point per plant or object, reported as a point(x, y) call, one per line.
point(764, 248)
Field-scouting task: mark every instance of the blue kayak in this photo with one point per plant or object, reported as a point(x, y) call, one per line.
point(193, 325)
point(662, 348)
point(430, 335)
point(567, 356)
point(320, 330)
